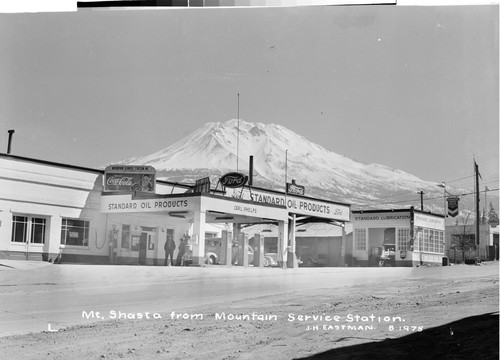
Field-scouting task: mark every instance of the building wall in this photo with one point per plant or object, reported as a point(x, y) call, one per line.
point(383, 230)
point(32, 191)
point(486, 249)
point(158, 226)
point(62, 195)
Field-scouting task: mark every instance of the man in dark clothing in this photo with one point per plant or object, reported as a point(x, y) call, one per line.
point(169, 250)
point(182, 251)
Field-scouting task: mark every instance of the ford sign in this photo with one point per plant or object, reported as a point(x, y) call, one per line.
point(233, 180)
point(295, 189)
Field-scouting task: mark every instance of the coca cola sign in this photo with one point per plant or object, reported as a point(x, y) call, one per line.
point(233, 180)
point(129, 178)
point(119, 180)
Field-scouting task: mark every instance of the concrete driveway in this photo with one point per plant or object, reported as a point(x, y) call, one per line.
point(38, 297)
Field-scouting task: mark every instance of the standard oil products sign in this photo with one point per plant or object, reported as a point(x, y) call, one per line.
point(124, 203)
point(130, 178)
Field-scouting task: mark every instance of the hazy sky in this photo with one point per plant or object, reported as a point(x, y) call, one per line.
point(414, 88)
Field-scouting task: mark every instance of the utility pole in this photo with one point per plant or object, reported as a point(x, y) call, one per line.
point(476, 171)
point(421, 199)
point(238, 136)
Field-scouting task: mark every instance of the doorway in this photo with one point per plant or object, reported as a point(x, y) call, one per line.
point(147, 246)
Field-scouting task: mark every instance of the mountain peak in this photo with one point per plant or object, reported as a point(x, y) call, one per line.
point(279, 154)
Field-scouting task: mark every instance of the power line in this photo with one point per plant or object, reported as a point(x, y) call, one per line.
point(391, 196)
point(467, 177)
point(418, 199)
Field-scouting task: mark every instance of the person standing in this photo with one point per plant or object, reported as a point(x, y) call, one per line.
point(182, 251)
point(169, 250)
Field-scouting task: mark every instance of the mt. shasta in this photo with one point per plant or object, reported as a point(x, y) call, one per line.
point(280, 153)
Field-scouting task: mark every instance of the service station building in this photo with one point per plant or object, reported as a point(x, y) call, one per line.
point(63, 213)
point(415, 237)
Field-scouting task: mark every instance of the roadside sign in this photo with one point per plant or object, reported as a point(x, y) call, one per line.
point(453, 205)
point(294, 189)
point(233, 180)
point(130, 178)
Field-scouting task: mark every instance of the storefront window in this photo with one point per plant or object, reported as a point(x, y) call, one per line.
point(75, 232)
point(360, 239)
point(432, 241)
point(38, 230)
point(439, 238)
point(19, 228)
point(404, 239)
point(426, 240)
point(429, 241)
point(36, 226)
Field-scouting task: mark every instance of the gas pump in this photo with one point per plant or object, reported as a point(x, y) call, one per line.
point(388, 257)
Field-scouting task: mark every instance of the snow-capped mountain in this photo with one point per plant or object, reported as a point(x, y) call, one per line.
point(278, 153)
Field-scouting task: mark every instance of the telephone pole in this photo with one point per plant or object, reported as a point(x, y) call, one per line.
point(477, 175)
point(238, 136)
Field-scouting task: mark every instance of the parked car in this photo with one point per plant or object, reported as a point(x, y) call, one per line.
point(213, 248)
point(212, 251)
point(309, 261)
point(270, 259)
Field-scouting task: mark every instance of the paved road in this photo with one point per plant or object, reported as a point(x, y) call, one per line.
point(34, 295)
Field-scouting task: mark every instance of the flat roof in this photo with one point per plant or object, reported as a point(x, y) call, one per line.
point(396, 210)
point(80, 168)
point(184, 185)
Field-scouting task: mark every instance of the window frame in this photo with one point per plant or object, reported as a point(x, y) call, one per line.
point(358, 241)
point(64, 230)
point(31, 226)
point(403, 239)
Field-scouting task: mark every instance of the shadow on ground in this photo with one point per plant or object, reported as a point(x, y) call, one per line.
point(474, 337)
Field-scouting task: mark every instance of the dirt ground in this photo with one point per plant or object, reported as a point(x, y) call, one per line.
point(446, 318)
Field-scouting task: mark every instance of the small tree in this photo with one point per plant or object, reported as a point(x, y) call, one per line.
point(492, 214)
point(465, 241)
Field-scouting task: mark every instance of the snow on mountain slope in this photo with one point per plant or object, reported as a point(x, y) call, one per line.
point(212, 150)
